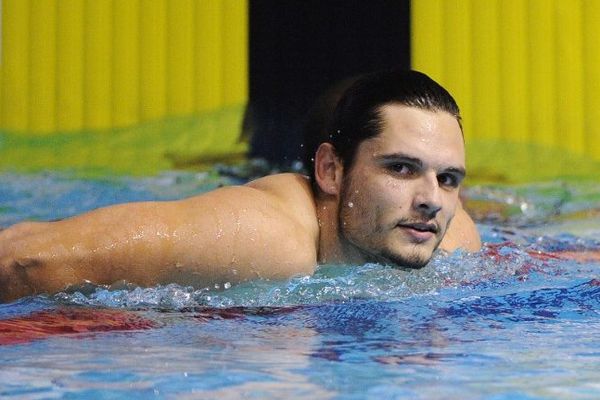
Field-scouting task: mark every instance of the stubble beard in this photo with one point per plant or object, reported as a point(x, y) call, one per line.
point(413, 258)
point(385, 255)
point(411, 261)
point(404, 259)
point(379, 253)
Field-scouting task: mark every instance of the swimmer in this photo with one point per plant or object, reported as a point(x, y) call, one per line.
point(384, 188)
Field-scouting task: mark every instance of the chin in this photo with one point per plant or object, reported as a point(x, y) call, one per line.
point(414, 256)
point(410, 261)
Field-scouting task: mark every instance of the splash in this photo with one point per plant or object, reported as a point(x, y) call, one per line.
point(496, 266)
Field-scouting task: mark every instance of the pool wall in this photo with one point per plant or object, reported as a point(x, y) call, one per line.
point(140, 86)
point(526, 75)
point(128, 86)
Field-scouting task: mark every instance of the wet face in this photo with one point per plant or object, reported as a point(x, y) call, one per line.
point(401, 193)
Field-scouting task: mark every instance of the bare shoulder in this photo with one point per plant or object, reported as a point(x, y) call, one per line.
point(293, 193)
point(288, 193)
point(462, 233)
point(272, 220)
point(282, 184)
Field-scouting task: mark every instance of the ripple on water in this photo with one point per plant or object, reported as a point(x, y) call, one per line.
point(502, 266)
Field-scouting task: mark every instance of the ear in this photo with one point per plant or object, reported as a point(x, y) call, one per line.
point(328, 169)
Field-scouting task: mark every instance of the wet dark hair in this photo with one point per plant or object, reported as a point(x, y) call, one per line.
point(357, 114)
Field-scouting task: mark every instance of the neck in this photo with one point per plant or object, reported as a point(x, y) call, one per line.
point(333, 248)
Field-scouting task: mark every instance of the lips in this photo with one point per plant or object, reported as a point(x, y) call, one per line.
point(421, 227)
point(419, 232)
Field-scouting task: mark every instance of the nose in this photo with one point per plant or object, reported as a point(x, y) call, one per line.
point(427, 200)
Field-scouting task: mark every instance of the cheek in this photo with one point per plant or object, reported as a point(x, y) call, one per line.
point(383, 201)
point(358, 202)
point(394, 194)
point(356, 205)
point(374, 197)
point(450, 207)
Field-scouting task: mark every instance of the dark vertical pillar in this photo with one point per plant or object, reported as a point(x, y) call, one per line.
point(299, 48)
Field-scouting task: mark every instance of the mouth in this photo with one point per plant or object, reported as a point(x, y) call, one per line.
point(421, 227)
point(419, 232)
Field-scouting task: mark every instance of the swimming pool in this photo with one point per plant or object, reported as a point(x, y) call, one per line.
point(513, 321)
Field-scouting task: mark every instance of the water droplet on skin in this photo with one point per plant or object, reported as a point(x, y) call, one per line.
point(234, 271)
point(227, 285)
point(350, 204)
point(217, 286)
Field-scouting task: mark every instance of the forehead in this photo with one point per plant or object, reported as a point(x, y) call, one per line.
point(428, 135)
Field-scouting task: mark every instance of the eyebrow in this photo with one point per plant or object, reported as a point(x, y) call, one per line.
point(396, 157)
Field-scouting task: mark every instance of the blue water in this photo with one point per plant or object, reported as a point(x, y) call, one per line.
point(505, 323)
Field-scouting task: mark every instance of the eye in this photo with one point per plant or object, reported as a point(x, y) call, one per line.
point(403, 168)
point(449, 180)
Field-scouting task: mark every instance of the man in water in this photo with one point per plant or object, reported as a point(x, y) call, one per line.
point(384, 188)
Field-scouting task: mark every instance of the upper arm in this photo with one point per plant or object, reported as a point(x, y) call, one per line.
point(230, 234)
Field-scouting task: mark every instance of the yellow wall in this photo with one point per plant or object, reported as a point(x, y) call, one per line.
point(524, 72)
point(74, 65)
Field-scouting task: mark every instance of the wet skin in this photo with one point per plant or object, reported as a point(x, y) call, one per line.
point(401, 193)
point(395, 203)
point(394, 206)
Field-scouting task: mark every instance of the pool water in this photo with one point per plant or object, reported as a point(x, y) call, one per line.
point(518, 320)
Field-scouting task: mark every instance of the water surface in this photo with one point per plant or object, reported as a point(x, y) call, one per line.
point(516, 320)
